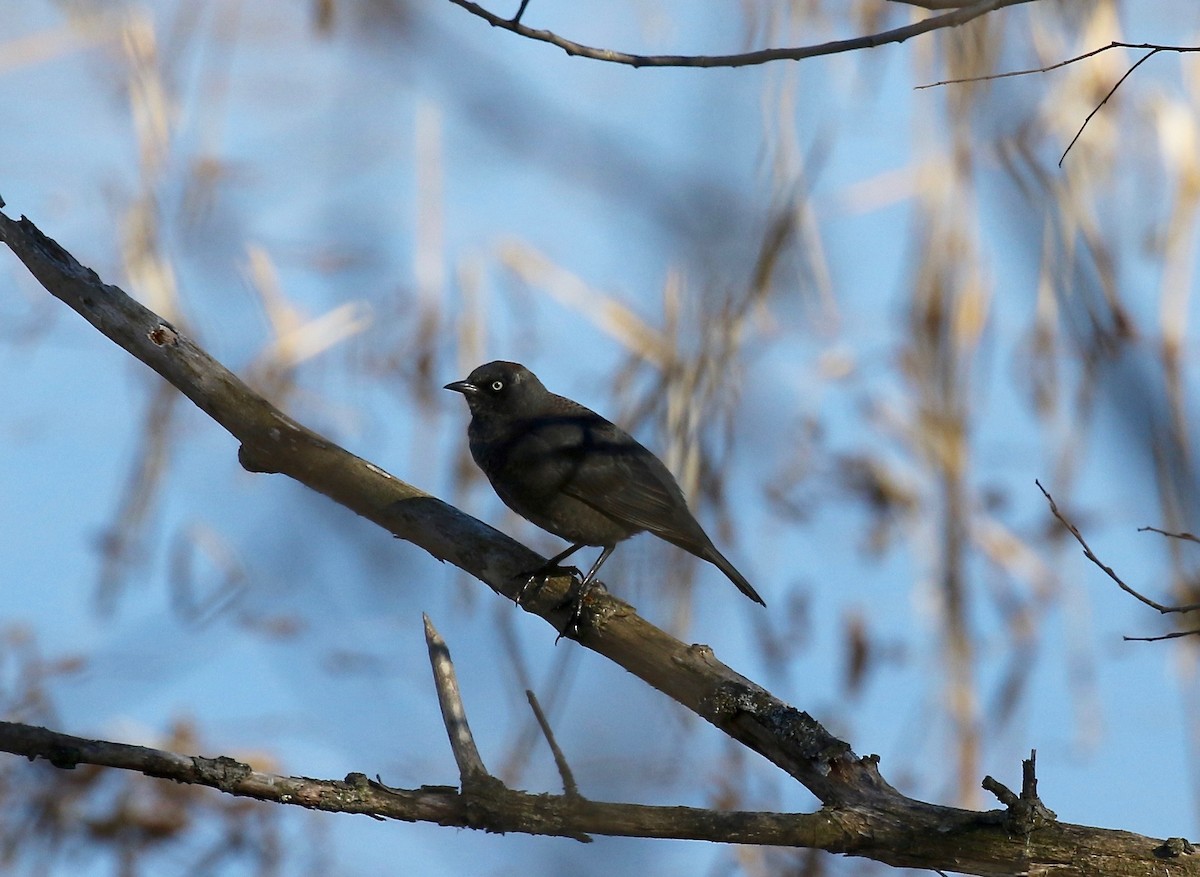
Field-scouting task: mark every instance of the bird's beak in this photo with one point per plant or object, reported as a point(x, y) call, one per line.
point(464, 387)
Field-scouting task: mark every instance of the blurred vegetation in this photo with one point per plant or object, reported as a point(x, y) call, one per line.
point(868, 346)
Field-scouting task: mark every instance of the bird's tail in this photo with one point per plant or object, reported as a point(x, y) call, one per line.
point(736, 577)
point(697, 542)
point(713, 556)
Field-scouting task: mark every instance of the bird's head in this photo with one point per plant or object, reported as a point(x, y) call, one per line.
point(501, 387)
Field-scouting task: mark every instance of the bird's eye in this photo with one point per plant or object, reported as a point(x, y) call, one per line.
point(497, 386)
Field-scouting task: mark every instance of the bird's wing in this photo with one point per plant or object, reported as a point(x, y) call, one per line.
point(614, 474)
point(643, 502)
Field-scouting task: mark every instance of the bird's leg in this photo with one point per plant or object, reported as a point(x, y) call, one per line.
point(550, 566)
point(591, 573)
point(579, 594)
point(553, 563)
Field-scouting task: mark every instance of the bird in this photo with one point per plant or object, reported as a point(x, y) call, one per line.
point(575, 474)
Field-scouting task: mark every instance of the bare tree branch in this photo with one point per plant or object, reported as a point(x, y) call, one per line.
point(1026, 810)
point(1152, 50)
point(862, 814)
point(1104, 100)
point(1060, 64)
point(934, 4)
point(506, 810)
point(1174, 634)
point(487, 798)
point(961, 14)
point(1108, 571)
point(967, 842)
point(1186, 537)
point(454, 715)
point(560, 761)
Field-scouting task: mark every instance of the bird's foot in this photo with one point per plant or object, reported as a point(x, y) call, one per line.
point(575, 600)
point(541, 574)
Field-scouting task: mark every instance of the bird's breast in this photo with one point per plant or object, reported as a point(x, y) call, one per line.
point(533, 466)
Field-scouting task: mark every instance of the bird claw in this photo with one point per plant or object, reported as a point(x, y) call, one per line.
point(575, 599)
point(577, 594)
point(541, 575)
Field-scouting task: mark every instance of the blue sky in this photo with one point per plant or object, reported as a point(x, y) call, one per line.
point(419, 162)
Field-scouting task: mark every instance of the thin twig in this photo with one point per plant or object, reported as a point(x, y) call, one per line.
point(470, 764)
point(560, 760)
point(1059, 64)
point(1175, 634)
point(1152, 50)
point(1098, 106)
point(1090, 555)
point(1191, 607)
point(934, 4)
point(1188, 537)
point(957, 17)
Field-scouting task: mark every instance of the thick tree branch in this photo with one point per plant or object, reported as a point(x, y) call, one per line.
point(862, 813)
point(505, 811)
point(922, 836)
point(961, 14)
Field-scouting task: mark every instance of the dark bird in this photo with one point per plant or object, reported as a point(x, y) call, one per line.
point(573, 473)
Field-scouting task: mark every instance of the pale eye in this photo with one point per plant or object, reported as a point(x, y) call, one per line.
point(497, 386)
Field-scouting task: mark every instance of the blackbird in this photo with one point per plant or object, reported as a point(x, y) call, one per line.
point(573, 473)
